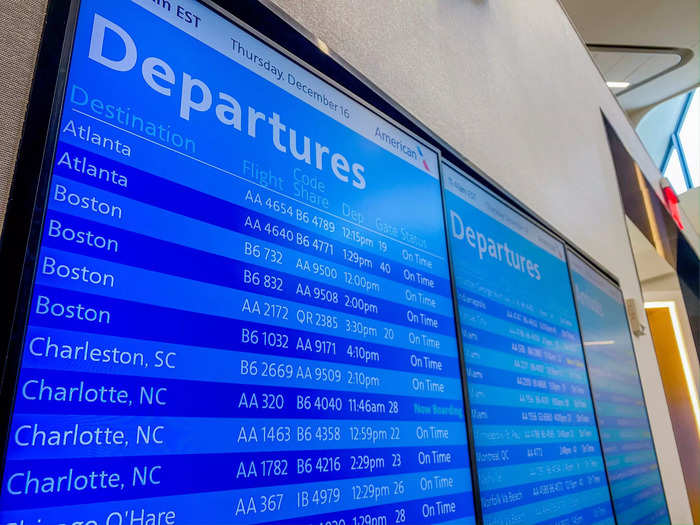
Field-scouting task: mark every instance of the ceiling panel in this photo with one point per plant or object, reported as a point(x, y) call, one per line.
point(646, 23)
point(671, 23)
point(632, 67)
point(606, 61)
point(652, 65)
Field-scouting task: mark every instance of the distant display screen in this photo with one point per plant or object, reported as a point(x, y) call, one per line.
point(537, 446)
point(635, 481)
point(242, 310)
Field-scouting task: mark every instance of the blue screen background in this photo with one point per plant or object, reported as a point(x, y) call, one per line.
point(537, 446)
point(635, 481)
point(210, 346)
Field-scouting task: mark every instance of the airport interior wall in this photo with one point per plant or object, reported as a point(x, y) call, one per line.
point(508, 84)
point(20, 30)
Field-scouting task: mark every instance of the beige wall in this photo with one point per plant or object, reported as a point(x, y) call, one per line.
point(507, 83)
point(21, 23)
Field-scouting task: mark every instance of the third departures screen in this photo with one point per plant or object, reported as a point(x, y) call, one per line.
point(538, 456)
point(635, 480)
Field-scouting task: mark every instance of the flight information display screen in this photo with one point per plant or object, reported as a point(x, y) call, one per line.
point(538, 455)
point(633, 471)
point(242, 310)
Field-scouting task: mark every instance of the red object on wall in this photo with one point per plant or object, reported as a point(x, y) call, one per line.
point(671, 201)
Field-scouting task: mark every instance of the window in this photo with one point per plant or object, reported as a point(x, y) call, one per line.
point(681, 165)
point(674, 172)
point(689, 138)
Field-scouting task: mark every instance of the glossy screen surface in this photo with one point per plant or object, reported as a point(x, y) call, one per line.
point(635, 481)
point(537, 446)
point(240, 314)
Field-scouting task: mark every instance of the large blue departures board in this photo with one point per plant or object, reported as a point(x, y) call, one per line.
point(635, 481)
point(538, 454)
point(239, 314)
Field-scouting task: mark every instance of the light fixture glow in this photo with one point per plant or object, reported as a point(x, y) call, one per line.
point(687, 371)
point(615, 85)
point(598, 343)
point(323, 46)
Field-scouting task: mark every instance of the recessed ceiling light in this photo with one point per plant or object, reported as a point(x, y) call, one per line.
point(615, 85)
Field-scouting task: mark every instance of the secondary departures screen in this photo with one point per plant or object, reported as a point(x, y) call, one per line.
point(635, 481)
point(538, 454)
point(242, 310)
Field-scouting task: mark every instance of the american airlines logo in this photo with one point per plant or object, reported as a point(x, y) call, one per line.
point(425, 164)
point(405, 149)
